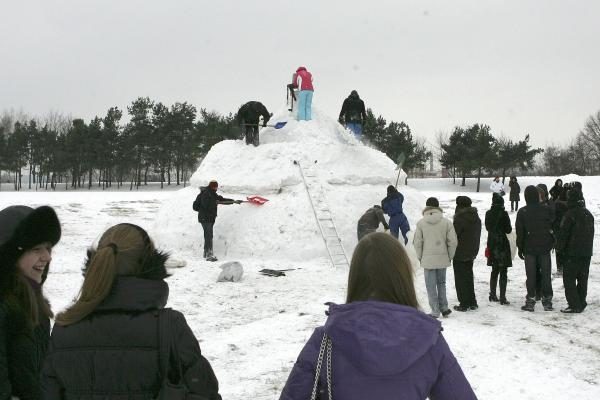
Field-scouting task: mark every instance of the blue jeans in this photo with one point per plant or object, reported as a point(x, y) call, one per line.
point(304, 105)
point(435, 282)
point(356, 128)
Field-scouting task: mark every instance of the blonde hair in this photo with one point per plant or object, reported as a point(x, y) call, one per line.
point(121, 252)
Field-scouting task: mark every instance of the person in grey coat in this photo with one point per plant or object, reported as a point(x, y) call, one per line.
point(435, 243)
point(370, 220)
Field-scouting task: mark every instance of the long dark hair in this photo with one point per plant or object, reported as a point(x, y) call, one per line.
point(381, 270)
point(26, 302)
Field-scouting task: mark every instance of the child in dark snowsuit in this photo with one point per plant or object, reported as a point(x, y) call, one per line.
point(392, 206)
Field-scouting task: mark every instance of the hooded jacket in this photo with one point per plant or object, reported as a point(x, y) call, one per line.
point(435, 239)
point(467, 226)
point(515, 191)
point(534, 225)
point(380, 351)
point(392, 203)
point(114, 351)
point(353, 109)
point(371, 219)
point(576, 234)
point(303, 79)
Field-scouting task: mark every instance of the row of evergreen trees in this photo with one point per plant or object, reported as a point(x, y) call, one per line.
point(159, 143)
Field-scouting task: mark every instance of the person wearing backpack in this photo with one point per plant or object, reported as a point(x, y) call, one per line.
point(206, 206)
point(107, 344)
point(379, 344)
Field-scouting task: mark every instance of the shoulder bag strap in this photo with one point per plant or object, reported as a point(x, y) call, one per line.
point(324, 349)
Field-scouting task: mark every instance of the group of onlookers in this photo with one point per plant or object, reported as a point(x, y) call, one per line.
point(118, 341)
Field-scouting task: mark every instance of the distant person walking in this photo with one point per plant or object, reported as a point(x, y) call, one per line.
point(206, 206)
point(249, 118)
point(370, 220)
point(378, 345)
point(499, 257)
point(435, 244)
point(353, 114)
point(497, 187)
point(515, 193)
point(576, 244)
point(467, 226)
point(302, 80)
point(392, 206)
point(535, 240)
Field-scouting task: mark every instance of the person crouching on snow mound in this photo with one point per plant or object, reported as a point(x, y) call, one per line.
point(378, 345)
point(392, 206)
point(206, 206)
point(248, 117)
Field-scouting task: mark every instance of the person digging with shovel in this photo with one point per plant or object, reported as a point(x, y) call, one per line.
point(206, 206)
point(249, 117)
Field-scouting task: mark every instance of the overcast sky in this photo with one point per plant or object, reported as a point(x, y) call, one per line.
point(522, 66)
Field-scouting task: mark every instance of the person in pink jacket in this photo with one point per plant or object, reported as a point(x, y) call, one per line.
point(303, 81)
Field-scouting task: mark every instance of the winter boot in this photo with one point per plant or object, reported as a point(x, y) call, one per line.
point(446, 312)
point(547, 303)
point(493, 297)
point(503, 300)
point(493, 284)
point(461, 308)
point(529, 304)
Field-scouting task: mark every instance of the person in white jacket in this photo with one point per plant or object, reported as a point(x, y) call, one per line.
point(497, 187)
point(435, 244)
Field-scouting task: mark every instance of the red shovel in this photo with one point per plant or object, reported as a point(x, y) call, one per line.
point(257, 200)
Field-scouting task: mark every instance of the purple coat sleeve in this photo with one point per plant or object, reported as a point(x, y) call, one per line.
point(300, 382)
point(451, 383)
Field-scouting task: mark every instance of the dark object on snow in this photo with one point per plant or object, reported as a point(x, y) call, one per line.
point(370, 220)
point(248, 116)
point(272, 272)
point(353, 110)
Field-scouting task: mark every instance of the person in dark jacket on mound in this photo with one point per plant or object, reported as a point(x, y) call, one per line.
point(206, 206)
point(576, 244)
point(106, 344)
point(353, 114)
point(370, 220)
point(27, 236)
point(535, 241)
point(248, 117)
point(392, 206)
point(468, 232)
point(497, 224)
point(382, 346)
point(515, 193)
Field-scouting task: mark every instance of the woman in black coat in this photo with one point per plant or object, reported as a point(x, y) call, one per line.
point(515, 193)
point(27, 236)
point(497, 223)
point(107, 344)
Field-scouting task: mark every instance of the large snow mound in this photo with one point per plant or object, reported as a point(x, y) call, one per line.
point(352, 177)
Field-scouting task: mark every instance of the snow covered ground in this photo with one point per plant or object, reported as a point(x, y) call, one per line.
point(252, 331)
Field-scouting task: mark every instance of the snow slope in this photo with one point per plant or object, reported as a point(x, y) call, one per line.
point(353, 177)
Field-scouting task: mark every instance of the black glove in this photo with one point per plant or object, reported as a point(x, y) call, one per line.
point(520, 253)
point(238, 201)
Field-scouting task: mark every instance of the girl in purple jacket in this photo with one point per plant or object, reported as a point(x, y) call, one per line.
point(382, 346)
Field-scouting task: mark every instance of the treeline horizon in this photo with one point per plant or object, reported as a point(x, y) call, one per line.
point(165, 144)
